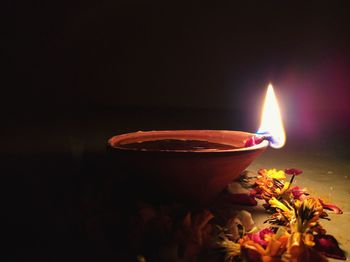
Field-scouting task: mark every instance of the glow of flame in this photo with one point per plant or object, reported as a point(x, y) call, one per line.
point(271, 120)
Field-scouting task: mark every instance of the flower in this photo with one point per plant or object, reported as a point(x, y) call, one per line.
point(298, 193)
point(232, 249)
point(269, 184)
point(253, 251)
point(295, 214)
point(306, 214)
point(259, 237)
point(282, 190)
point(276, 174)
point(328, 246)
point(331, 207)
point(285, 207)
point(293, 171)
point(300, 248)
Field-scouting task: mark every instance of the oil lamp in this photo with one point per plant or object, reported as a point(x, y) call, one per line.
point(196, 165)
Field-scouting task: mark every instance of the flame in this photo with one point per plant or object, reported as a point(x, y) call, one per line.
point(271, 120)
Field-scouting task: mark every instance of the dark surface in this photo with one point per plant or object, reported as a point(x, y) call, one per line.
point(51, 195)
point(50, 204)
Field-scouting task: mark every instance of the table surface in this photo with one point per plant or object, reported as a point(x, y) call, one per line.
point(49, 169)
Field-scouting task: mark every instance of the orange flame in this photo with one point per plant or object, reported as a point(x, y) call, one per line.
point(271, 120)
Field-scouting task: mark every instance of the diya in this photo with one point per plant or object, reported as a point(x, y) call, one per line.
point(191, 165)
point(194, 165)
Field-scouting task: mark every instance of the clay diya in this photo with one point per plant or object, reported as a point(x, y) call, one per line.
point(188, 165)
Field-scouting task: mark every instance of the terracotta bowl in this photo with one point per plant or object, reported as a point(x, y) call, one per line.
point(195, 176)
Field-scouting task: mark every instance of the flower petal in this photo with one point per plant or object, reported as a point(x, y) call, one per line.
point(278, 204)
point(328, 246)
point(259, 237)
point(276, 174)
point(293, 171)
point(256, 192)
point(298, 193)
point(331, 207)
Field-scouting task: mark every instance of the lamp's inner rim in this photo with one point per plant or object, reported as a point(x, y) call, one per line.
point(236, 139)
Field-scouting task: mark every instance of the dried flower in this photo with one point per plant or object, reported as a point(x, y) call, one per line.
point(232, 249)
point(295, 214)
point(260, 236)
point(294, 233)
point(253, 251)
point(307, 212)
point(328, 246)
point(287, 210)
point(276, 174)
point(331, 207)
point(293, 171)
point(298, 193)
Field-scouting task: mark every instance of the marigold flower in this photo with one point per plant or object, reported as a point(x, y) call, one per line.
point(284, 189)
point(309, 240)
point(278, 204)
point(276, 174)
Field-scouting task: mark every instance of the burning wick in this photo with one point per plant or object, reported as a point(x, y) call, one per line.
point(271, 127)
point(257, 139)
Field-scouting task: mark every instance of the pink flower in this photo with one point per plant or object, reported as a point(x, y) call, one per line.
point(259, 237)
point(293, 171)
point(298, 193)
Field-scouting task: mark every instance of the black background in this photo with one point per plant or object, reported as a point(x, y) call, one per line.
point(64, 56)
point(77, 72)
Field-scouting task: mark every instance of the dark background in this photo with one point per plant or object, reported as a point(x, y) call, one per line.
point(77, 72)
point(65, 59)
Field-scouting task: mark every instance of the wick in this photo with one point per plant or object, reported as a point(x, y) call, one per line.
point(268, 138)
point(258, 138)
point(265, 136)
